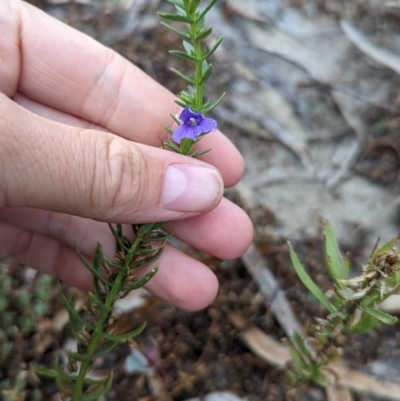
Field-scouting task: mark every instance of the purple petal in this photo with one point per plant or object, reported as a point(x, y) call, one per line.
point(186, 131)
point(179, 133)
point(207, 125)
point(187, 114)
point(193, 129)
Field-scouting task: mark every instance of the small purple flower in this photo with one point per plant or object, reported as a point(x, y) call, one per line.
point(193, 125)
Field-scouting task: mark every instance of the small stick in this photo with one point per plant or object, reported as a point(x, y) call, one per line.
point(269, 286)
point(381, 56)
point(277, 354)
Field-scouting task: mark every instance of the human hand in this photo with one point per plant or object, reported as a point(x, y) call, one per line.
point(80, 128)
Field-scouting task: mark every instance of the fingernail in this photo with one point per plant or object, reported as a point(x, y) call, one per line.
point(190, 188)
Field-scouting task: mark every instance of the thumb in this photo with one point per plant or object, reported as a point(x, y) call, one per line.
point(52, 166)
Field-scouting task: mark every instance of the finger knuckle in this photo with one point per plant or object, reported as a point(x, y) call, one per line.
point(121, 182)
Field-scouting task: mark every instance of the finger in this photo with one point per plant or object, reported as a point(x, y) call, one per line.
point(56, 167)
point(230, 166)
point(224, 232)
point(53, 114)
point(44, 254)
point(180, 280)
point(42, 56)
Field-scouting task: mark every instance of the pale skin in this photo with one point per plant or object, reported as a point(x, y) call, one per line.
point(80, 130)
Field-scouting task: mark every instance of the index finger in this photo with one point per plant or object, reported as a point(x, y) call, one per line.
point(62, 68)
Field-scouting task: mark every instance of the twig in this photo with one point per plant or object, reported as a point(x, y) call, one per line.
point(245, 10)
point(381, 56)
point(262, 275)
point(351, 157)
point(287, 138)
point(278, 304)
point(274, 353)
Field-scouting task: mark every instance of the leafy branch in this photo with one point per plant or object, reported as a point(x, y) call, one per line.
point(192, 98)
point(112, 280)
point(353, 308)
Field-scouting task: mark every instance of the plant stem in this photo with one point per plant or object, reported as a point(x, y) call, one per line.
point(199, 67)
point(103, 319)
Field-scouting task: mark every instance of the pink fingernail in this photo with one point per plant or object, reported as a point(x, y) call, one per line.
point(191, 188)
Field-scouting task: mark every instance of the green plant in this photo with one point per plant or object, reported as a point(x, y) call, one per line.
point(352, 309)
point(113, 279)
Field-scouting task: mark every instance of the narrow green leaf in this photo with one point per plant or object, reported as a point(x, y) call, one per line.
point(214, 48)
point(203, 34)
point(319, 378)
point(176, 2)
point(121, 245)
point(148, 251)
point(94, 382)
point(182, 54)
point(333, 258)
point(75, 319)
point(301, 346)
point(110, 263)
point(175, 17)
point(383, 317)
point(45, 372)
point(394, 281)
point(198, 153)
point(146, 228)
point(214, 105)
point(94, 271)
point(181, 10)
point(175, 118)
point(149, 260)
point(188, 101)
point(206, 74)
point(309, 283)
point(193, 4)
point(158, 226)
point(188, 47)
point(338, 301)
point(124, 337)
point(182, 104)
point(346, 264)
point(159, 237)
point(102, 390)
point(172, 146)
point(97, 303)
point(208, 7)
point(140, 283)
point(183, 76)
point(297, 359)
point(97, 288)
point(185, 34)
point(58, 371)
point(366, 323)
point(385, 248)
point(82, 358)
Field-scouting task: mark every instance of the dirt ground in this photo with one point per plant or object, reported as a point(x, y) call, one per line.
point(316, 113)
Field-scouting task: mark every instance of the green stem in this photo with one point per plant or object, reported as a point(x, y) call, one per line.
point(103, 319)
point(199, 64)
point(186, 146)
